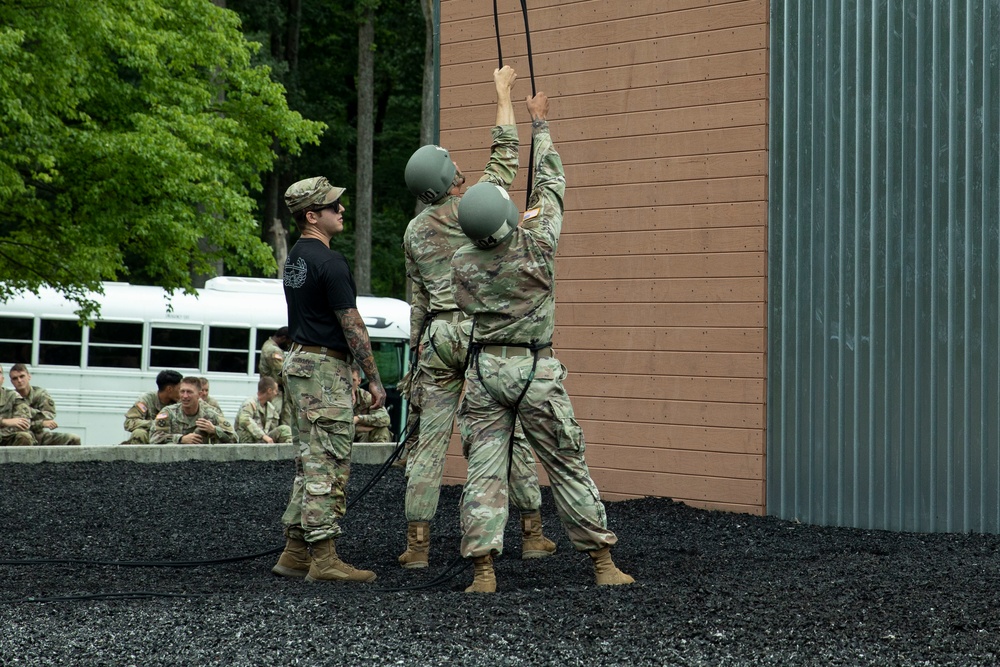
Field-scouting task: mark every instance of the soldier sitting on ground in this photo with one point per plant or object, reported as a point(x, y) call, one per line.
point(191, 422)
point(42, 407)
point(139, 418)
point(258, 418)
point(15, 418)
point(370, 425)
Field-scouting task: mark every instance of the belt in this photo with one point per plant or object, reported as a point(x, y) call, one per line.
point(454, 316)
point(515, 351)
point(316, 349)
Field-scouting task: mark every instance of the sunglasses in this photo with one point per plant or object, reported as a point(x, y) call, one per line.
point(335, 206)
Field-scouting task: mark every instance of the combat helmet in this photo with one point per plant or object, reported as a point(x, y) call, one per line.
point(487, 215)
point(429, 173)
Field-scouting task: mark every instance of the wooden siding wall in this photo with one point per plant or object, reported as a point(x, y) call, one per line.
point(659, 111)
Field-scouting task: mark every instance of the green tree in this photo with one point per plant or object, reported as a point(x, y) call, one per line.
point(322, 84)
point(129, 131)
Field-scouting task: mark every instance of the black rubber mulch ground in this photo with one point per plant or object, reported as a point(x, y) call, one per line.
point(714, 588)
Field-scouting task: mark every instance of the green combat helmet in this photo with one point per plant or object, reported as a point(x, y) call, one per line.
point(487, 215)
point(429, 173)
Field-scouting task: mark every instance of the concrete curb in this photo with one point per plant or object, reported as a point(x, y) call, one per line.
point(362, 453)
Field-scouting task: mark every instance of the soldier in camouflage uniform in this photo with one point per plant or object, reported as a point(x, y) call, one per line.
point(43, 409)
point(272, 358)
point(506, 281)
point(439, 332)
point(370, 424)
point(327, 330)
point(139, 418)
point(257, 420)
point(191, 422)
point(15, 418)
point(205, 398)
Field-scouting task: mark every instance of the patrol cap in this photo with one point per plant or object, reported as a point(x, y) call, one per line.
point(429, 173)
point(487, 215)
point(315, 191)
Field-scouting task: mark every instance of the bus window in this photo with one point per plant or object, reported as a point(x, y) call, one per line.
point(15, 339)
point(389, 360)
point(115, 345)
point(227, 349)
point(60, 343)
point(174, 348)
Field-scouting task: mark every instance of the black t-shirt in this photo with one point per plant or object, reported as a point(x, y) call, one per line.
point(317, 282)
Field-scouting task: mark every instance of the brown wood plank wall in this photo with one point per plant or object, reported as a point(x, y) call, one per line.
point(659, 110)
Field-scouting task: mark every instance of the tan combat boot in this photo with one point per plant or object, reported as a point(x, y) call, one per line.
point(485, 580)
point(418, 545)
point(533, 543)
point(605, 571)
point(294, 560)
point(327, 566)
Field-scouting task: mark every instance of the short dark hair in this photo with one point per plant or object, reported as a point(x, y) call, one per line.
point(281, 333)
point(18, 367)
point(192, 380)
point(167, 379)
point(265, 383)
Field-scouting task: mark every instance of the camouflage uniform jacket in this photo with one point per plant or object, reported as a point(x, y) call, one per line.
point(363, 410)
point(272, 358)
point(511, 288)
point(12, 405)
point(42, 408)
point(142, 412)
point(172, 423)
point(211, 401)
point(433, 236)
point(254, 420)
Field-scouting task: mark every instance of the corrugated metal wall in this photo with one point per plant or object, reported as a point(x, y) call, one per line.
point(883, 375)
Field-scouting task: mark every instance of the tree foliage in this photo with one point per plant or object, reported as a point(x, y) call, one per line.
point(130, 132)
point(322, 85)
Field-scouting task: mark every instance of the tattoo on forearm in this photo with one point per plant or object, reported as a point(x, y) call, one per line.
point(357, 339)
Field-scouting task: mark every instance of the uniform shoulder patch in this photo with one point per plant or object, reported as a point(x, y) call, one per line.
point(279, 356)
point(162, 414)
point(530, 213)
point(141, 405)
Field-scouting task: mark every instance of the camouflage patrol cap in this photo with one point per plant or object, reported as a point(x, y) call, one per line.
point(315, 191)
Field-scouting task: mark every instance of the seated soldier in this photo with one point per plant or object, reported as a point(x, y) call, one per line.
point(369, 425)
point(205, 398)
point(42, 407)
point(139, 418)
point(191, 422)
point(258, 418)
point(15, 418)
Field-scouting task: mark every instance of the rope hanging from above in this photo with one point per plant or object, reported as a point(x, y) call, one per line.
point(531, 76)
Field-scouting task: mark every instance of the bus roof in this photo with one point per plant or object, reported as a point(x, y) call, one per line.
point(224, 301)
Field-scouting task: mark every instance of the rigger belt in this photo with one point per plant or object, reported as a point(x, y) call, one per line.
point(506, 351)
point(317, 349)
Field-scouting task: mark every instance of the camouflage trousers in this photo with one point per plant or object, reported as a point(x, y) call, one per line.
point(47, 438)
point(12, 438)
point(437, 387)
point(486, 419)
point(320, 386)
point(140, 436)
point(380, 434)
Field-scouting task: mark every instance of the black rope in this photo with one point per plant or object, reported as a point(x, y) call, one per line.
point(531, 75)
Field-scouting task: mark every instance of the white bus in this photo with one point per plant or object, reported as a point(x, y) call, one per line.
point(95, 374)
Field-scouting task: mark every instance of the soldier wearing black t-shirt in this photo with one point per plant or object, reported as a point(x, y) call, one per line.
point(327, 333)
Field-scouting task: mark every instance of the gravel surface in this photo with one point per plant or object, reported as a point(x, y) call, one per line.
point(713, 588)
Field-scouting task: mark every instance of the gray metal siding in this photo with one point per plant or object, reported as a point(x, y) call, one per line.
point(883, 374)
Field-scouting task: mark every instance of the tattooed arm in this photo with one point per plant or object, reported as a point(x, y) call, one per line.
point(361, 348)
